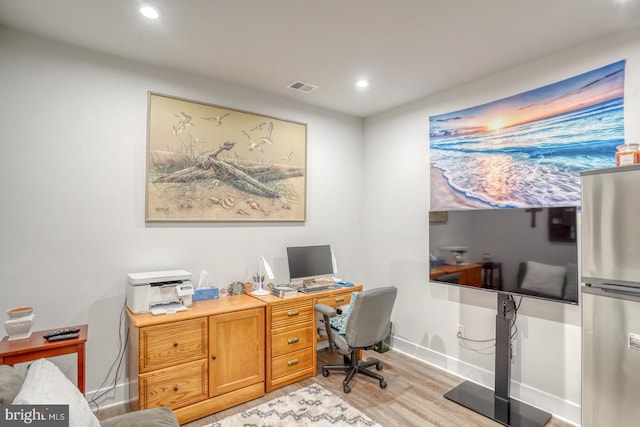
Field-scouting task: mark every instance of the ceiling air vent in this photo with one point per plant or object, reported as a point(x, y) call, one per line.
point(302, 86)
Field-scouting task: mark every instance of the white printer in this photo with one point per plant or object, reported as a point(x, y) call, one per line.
point(454, 255)
point(159, 292)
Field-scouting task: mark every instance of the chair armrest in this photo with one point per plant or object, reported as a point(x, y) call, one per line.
point(325, 309)
point(327, 312)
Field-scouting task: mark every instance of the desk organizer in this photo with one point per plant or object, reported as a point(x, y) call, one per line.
point(205, 294)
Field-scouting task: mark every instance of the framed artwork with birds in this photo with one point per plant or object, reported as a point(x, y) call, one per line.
point(211, 163)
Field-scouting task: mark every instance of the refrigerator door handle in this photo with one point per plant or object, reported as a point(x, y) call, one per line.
point(618, 289)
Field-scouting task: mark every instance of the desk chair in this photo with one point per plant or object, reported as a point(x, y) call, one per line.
point(366, 321)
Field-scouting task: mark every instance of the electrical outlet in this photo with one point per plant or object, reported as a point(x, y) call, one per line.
point(460, 331)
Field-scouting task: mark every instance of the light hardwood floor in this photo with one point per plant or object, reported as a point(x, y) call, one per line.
point(413, 397)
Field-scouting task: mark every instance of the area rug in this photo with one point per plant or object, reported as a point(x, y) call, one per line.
point(310, 406)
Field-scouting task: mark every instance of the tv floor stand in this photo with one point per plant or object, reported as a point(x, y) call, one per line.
point(497, 404)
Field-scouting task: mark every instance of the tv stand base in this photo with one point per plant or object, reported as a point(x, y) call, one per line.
point(511, 412)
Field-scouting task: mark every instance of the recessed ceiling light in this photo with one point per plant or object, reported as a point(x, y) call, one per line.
point(362, 83)
point(149, 12)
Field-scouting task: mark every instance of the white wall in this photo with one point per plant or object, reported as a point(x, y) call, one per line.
point(546, 372)
point(72, 184)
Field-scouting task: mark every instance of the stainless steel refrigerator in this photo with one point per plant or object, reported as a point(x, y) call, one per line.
point(611, 297)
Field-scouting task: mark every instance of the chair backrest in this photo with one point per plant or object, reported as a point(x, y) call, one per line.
point(369, 320)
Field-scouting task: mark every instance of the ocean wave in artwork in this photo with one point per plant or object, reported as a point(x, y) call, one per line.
point(534, 164)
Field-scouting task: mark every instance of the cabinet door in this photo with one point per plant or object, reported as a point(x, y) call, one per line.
point(236, 350)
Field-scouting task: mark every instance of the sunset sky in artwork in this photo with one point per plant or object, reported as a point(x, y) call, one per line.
point(587, 89)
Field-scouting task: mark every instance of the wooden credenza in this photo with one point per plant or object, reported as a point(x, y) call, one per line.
point(291, 334)
point(200, 361)
point(470, 274)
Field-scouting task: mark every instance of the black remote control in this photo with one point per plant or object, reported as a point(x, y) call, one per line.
point(61, 332)
point(63, 337)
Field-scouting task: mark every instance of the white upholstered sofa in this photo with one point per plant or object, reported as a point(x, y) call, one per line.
point(44, 383)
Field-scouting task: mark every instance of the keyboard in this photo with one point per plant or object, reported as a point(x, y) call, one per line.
point(314, 289)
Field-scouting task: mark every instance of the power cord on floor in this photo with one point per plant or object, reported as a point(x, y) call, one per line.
point(117, 365)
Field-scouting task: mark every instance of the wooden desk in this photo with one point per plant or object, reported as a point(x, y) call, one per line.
point(36, 347)
point(470, 274)
point(291, 334)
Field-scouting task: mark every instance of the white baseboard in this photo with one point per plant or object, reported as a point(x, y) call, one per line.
point(109, 397)
point(562, 409)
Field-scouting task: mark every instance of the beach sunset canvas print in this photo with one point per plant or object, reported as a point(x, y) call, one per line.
point(528, 150)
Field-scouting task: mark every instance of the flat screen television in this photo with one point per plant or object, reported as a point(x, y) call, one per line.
point(511, 252)
point(310, 262)
point(519, 251)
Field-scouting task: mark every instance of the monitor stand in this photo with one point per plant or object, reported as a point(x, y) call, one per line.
point(498, 405)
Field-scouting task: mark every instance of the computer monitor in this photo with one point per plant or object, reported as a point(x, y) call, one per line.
point(310, 262)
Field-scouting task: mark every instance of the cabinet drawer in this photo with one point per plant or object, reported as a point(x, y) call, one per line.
point(298, 313)
point(291, 363)
point(174, 387)
point(172, 343)
point(291, 340)
point(336, 300)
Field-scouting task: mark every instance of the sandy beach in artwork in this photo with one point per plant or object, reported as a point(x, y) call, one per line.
point(445, 198)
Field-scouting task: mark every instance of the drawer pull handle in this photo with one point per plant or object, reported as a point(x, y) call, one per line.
point(293, 340)
point(293, 362)
point(213, 358)
point(292, 313)
point(340, 299)
point(175, 344)
point(176, 388)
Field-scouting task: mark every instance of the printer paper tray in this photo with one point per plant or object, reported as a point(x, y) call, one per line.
point(169, 308)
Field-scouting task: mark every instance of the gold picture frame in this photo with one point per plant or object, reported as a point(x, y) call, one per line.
point(211, 163)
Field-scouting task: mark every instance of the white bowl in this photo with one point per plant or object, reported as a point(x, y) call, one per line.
point(19, 312)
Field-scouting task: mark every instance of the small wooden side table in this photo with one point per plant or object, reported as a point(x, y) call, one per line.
point(36, 347)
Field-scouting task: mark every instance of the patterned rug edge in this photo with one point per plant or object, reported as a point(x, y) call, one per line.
point(312, 405)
